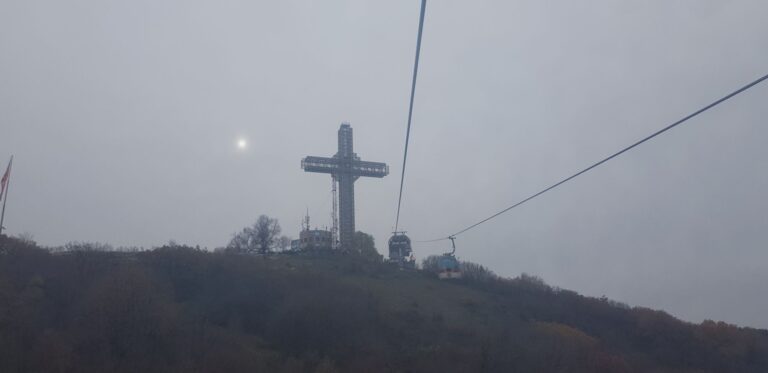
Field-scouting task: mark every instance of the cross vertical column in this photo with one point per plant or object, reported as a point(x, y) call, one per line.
point(346, 155)
point(346, 210)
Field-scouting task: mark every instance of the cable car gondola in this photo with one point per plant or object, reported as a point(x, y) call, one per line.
point(447, 265)
point(400, 250)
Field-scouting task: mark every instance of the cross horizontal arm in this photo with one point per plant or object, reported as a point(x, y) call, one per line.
point(370, 169)
point(344, 166)
point(320, 164)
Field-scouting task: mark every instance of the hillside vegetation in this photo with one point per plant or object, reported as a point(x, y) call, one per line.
point(179, 309)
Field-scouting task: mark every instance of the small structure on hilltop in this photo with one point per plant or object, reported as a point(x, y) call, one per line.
point(312, 239)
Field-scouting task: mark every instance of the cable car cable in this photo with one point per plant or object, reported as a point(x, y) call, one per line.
point(410, 109)
point(614, 155)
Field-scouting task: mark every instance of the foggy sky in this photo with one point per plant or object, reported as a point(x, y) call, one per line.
point(123, 117)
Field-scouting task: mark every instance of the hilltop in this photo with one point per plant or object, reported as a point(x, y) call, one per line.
point(180, 309)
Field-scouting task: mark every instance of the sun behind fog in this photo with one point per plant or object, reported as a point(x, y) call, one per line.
point(241, 144)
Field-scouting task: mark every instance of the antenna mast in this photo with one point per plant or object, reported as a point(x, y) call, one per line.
point(334, 214)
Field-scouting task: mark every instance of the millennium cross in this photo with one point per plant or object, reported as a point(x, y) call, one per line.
point(345, 167)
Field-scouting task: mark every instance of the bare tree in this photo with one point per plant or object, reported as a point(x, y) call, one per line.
point(284, 243)
point(267, 231)
point(364, 243)
point(429, 263)
point(26, 237)
point(87, 246)
point(242, 241)
point(262, 236)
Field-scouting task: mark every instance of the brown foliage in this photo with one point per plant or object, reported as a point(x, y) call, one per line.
point(180, 309)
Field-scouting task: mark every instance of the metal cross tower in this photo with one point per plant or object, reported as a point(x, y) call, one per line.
point(345, 167)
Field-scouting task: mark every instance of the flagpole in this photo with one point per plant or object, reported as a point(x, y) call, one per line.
point(5, 198)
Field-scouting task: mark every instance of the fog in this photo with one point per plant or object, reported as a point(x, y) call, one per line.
point(124, 119)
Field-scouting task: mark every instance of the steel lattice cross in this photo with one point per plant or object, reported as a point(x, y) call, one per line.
point(345, 167)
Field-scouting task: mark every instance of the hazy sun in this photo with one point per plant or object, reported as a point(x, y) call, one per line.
point(241, 144)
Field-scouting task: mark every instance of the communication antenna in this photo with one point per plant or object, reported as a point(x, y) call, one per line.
point(305, 221)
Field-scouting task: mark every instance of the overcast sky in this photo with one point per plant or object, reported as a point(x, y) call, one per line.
point(124, 116)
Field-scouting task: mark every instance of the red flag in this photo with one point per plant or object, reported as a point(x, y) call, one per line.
point(4, 180)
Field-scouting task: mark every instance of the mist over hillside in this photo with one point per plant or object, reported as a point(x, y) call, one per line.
point(181, 309)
